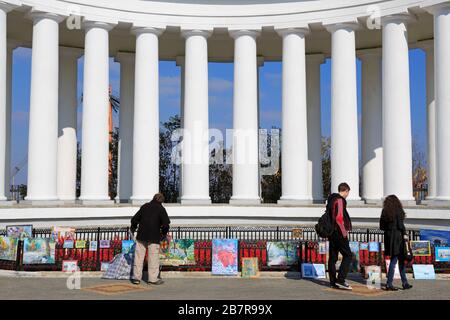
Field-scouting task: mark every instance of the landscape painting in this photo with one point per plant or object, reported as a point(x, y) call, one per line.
point(38, 251)
point(421, 248)
point(354, 247)
point(281, 253)
point(250, 268)
point(313, 270)
point(8, 248)
point(20, 232)
point(225, 257)
point(436, 237)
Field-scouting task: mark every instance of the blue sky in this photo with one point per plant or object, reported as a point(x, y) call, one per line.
point(220, 97)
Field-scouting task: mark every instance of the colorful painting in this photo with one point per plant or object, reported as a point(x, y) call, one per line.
point(363, 246)
point(39, 251)
point(70, 265)
point(93, 245)
point(179, 252)
point(297, 233)
point(396, 270)
point(104, 266)
point(68, 244)
point(354, 247)
point(436, 237)
point(442, 254)
point(421, 248)
point(323, 247)
point(250, 268)
point(164, 246)
point(105, 244)
point(8, 248)
point(62, 234)
point(374, 246)
point(20, 232)
point(424, 272)
point(225, 257)
point(128, 246)
point(80, 244)
point(313, 270)
point(282, 253)
point(373, 273)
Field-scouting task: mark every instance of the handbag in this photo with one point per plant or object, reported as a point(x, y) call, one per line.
point(407, 251)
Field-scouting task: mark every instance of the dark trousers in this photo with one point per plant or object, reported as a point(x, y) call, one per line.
point(401, 268)
point(339, 244)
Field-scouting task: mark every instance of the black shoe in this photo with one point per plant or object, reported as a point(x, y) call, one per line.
point(135, 281)
point(407, 286)
point(157, 282)
point(390, 288)
point(333, 286)
point(343, 285)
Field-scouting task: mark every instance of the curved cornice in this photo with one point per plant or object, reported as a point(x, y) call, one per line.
point(300, 14)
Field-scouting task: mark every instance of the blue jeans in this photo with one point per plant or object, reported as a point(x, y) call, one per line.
point(391, 271)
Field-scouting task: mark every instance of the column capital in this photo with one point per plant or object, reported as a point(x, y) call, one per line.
point(425, 45)
point(122, 57)
point(405, 18)
point(37, 15)
point(352, 26)
point(437, 8)
point(196, 32)
point(9, 6)
point(180, 60)
point(244, 32)
point(90, 24)
point(369, 53)
point(71, 52)
point(287, 31)
point(315, 58)
point(140, 30)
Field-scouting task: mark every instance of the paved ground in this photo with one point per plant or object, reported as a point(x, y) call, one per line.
point(213, 288)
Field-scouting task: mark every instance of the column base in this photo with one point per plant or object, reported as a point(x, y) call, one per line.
point(245, 202)
point(355, 202)
point(49, 203)
point(408, 203)
point(95, 202)
point(438, 203)
point(118, 201)
point(378, 202)
point(7, 203)
point(294, 202)
point(191, 202)
point(138, 202)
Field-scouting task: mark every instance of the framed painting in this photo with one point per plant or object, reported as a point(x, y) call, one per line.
point(374, 246)
point(421, 248)
point(8, 248)
point(68, 244)
point(281, 253)
point(93, 245)
point(128, 246)
point(250, 268)
point(424, 272)
point(225, 257)
point(70, 265)
point(39, 251)
point(20, 232)
point(313, 270)
point(105, 244)
point(440, 238)
point(442, 254)
point(80, 244)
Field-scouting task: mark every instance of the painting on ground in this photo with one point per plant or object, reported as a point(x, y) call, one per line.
point(20, 232)
point(396, 270)
point(225, 257)
point(442, 254)
point(436, 237)
point(373, 273)
point(354, 247)
point(127, 246)
point(313, 270)
point(424, 272)
point(281, 253)
point(250, 268)
point(38, 251)
point(8, 248)
point(181, 252)
point(421, 248)
point(70, 265)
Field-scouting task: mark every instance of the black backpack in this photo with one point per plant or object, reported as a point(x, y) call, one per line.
point(324, 227)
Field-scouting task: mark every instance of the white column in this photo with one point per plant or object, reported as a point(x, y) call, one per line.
point(126, 114)
point(146, 116)
point(397, 143)
point(315, 185)
point(67, 123)
point(180, 63)
point(43, 124)
point(4, 107)
point(428, 47)
point(442, 87)
point(95, 136)
point(372, 126)
point(196, 130)
point(344, 117)
point(245, 120)
point(294, 159)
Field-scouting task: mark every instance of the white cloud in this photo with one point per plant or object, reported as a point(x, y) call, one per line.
point(169, 85)
point(220, 85)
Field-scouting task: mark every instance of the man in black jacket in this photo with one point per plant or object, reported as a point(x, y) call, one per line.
point(338, 241)
point(153, 222)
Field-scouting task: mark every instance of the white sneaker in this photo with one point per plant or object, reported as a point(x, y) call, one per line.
point(344, 286)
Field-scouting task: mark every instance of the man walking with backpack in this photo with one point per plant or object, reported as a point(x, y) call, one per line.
point(338, 240)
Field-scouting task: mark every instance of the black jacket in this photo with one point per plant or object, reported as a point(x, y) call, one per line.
point(152, 220)
point(330, 205)
point(393, 234)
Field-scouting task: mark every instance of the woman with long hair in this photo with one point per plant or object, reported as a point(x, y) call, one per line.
point(391, 222)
